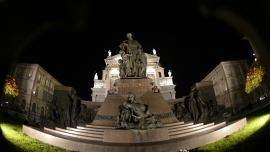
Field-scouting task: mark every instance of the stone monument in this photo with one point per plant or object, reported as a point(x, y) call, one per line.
point(134, 61)
point(133, 82)
point(65, 110)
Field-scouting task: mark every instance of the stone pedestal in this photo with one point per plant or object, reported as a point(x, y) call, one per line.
point(136, 136)
point(138, 86)
point(107, 114)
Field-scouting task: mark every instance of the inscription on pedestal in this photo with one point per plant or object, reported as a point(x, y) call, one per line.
point(137, 86)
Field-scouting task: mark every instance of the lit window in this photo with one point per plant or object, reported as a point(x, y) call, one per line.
point(30, 73)
point(39, 77)
point(47, 83)
point(52, 85)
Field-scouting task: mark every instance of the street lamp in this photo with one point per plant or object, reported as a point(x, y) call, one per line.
point(255, 57)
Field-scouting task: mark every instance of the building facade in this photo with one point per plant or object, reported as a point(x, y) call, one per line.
point(229, 84)
point(36, 87)
point(111, 73)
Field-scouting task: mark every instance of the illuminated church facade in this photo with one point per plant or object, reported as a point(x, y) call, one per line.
point(111, 73)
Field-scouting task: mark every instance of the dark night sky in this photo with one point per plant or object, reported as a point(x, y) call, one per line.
point(189, 44)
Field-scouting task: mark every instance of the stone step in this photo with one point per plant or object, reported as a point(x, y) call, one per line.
point(99, 131)
point(80, 133)
point(72, 135)
point(185, 130)
point(101, 127)
point(96, 129)
point(184, 127)
point(180, 126)
point(211, 128)
point(173, 124)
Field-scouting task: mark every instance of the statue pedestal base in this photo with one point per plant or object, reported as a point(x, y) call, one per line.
point(135, 136)
point(138, 86)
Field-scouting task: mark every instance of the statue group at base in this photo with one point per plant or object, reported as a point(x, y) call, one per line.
point(134, 60)
point(68, 112)
point(133, 114)
point(201, 111)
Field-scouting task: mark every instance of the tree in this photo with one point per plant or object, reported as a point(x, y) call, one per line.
point(256, 77)
point(10, 87)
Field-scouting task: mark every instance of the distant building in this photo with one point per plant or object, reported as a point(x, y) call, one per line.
point(229, 83)
point(36, 87)
point(111, 73)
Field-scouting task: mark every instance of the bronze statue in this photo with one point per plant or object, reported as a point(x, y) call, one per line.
point(133, 114)
point(134, 59)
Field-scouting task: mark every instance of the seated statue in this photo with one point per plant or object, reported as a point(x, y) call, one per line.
point(133, 114)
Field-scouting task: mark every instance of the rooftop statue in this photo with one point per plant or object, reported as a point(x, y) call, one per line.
point(134, 61)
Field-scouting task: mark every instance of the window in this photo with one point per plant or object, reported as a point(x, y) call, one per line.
point(235, 95)
point(52, 85)
point(36, 93)
point(233, 84)
point(229, 71)
point(42, 111)
point(47, 96)
point(47, 83)
point(44, 95)
point(30, 72)
point(39, 77)
point(23, 104)
point(34, 107)
point(159, 74)
point(18, 72)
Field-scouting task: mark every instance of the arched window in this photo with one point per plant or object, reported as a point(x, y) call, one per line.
point(23, 104)
point(42, 111)
point(34, 106)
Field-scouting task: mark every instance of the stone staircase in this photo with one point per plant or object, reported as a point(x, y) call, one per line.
point(96, 133)
point(190, 129)
point(171, 137)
